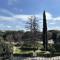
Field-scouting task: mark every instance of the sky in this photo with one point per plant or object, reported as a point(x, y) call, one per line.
point(15, 13)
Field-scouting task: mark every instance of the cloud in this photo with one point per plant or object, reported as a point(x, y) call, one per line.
point(51, 20)
point(49, 16)
point(52, 23)
point(25, 17)
point(22, 17)
point(15, 18)
point(57, 18)
point(6, 12)
point(8, 26)
point(54, 28)
point(18, 27)
point(4, 18)
point(18, 10)
point(11, 2)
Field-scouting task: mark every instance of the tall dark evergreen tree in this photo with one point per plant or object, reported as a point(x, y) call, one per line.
point(45, 41)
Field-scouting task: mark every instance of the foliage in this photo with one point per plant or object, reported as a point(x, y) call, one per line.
point(24, 36)
point(5, 50)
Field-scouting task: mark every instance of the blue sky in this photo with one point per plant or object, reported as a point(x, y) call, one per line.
point(14, 13)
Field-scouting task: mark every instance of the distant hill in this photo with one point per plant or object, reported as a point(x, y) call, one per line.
point(18, 36)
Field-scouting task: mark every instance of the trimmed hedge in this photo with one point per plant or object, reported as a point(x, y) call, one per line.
point(24, 55)
point(27, 49)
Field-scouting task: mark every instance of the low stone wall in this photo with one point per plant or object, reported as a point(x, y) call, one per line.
point(36, 58)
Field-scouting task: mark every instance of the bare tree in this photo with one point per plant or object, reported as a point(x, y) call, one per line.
point(32, 25)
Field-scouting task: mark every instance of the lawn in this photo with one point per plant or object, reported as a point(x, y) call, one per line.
point(38, 52)
point(16, 50)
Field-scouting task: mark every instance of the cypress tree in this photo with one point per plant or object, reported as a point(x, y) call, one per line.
point(45, 41)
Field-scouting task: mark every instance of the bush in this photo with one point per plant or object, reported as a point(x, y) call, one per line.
point(28, 54)
point(57, 47)
point(28, 49)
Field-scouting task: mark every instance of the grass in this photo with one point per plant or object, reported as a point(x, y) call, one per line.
point(39, 52)
point(18, 51)
point(30, 53)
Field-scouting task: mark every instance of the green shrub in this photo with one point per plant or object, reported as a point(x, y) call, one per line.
point(57, 47)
